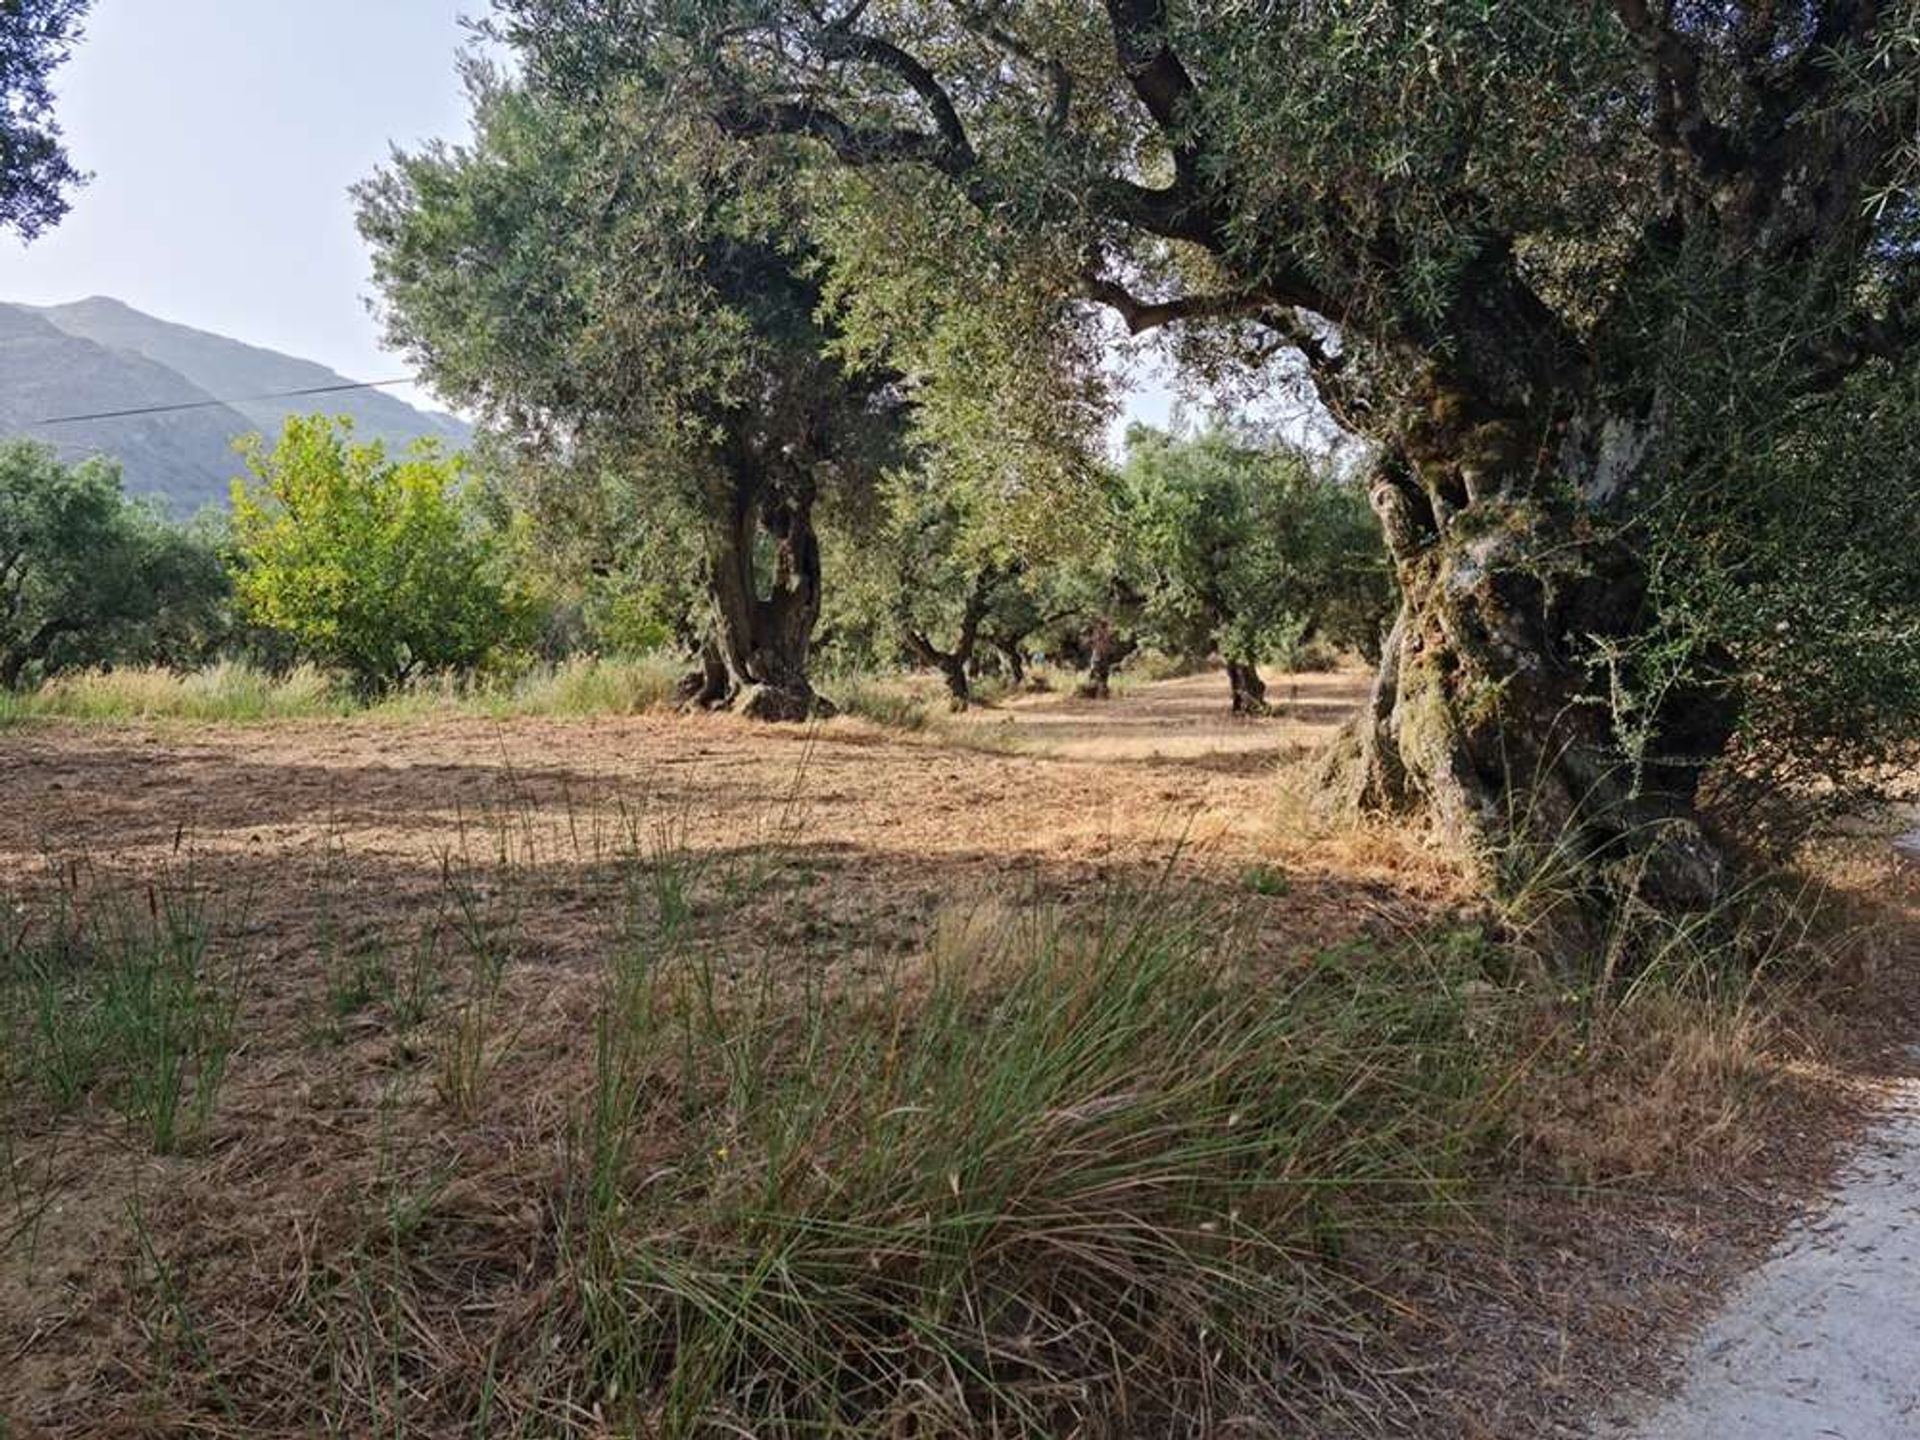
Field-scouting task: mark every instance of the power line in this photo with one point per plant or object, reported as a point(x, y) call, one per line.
point(215, 404)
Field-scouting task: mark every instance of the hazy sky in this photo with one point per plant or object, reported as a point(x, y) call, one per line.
point(222, 135)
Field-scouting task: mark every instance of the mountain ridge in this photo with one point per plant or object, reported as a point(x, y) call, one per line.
point(184, 457)
point(101, 354)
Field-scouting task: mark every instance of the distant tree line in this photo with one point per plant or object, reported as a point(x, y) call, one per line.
point(378, 568)
point(89, 577)
point(387, 568)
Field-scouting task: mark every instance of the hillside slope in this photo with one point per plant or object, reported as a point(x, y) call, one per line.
point(231, 368)
point(183, 457)
point(100, 355)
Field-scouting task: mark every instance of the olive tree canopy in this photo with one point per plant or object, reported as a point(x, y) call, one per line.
point(618, 288)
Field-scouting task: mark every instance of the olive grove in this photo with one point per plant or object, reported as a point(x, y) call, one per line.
point(1623, 297)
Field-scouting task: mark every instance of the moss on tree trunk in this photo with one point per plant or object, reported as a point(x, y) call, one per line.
point(1488, 712)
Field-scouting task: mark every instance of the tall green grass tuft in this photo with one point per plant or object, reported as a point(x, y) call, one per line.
point(596, 686)
point(1076, 1179)
point(120, 998)
point(229, 690)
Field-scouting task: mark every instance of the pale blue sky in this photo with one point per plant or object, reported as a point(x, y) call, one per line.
point(223, 135)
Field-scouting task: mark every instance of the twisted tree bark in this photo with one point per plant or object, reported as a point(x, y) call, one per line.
point(955, 665)
point(1249, 690)
point(1107, 649)
point(1489, 711)
point(758, 646)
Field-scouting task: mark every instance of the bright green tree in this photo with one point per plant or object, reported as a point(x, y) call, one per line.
point(89, 577)
point(368, 563)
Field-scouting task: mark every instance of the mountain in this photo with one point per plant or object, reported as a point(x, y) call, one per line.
point(99, 354)
point(185, 456)
point(229, 368)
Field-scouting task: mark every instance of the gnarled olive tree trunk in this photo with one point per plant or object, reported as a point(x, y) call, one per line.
point(1107, 648)
point(1492, 710)
point(1249, 690)
point(30, 650)
point(1012, 657)
point(956, 665)
point(758, 644)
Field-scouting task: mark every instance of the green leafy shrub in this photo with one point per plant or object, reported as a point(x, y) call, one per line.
point(369, 564)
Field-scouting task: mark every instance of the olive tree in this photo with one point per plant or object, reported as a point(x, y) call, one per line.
point(621, 290)
point(1557, 263)
point(1247, 550)
point(944, 570)
point(90, 577)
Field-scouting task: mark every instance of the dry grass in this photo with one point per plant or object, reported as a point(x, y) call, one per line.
point(231, 691)
point(618, 1075)
point(727, 1189)
point(226, 691)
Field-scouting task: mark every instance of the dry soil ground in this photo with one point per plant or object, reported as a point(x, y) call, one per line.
point(311, 839)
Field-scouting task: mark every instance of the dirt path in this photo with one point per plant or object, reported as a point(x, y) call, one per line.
point(1824, 1339)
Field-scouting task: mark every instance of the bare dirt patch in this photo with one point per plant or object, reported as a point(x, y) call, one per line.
point(902, 826)
point(1184, 720)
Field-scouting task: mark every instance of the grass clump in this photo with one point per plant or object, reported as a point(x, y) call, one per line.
point(583, 685)
point(1072, 1180)
point(886, 702)
point(599, 686)
point(122, 1000)
point(1266, 880)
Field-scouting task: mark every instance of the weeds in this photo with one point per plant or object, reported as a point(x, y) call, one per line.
point(123, 999)
point(187, 1336)
point(1080, 1176)
point(352, 980)
point(886, 703)
point(471, 1045)
point(1266, 880)
point(30, 1185)
point(227, 691)
point(596, 686)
